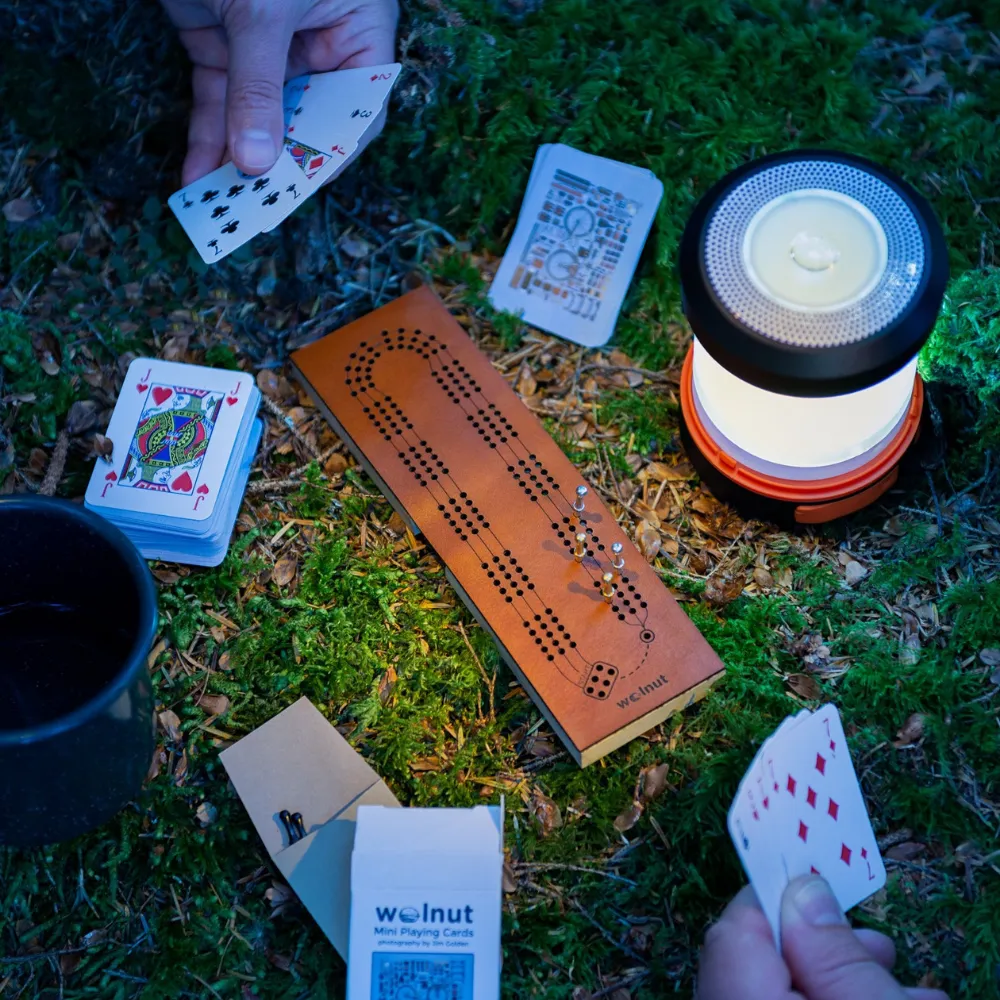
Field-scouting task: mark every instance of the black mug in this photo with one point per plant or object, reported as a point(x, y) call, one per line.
point(77, 619)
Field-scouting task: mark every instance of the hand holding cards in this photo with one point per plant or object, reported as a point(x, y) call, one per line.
point(183, 441)
point(326, 117)
point(582, 226)
point(799, 810)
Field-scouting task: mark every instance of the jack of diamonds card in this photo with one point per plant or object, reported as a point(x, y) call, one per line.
point(173, 432)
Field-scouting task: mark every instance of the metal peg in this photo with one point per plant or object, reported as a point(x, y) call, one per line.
point(581, 492)
point(581, 547)
point(608, 587)
point(617, 559)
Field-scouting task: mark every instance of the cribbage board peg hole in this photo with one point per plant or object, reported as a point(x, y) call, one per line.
point(617, 560)
point(578, 504)
point(581, 547)
point(608, 587)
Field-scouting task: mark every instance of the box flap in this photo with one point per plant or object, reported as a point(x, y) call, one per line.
point(299, 762)
point(318, 867)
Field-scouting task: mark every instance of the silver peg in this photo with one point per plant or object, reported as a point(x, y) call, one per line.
point(618, 560)
point(581, 492)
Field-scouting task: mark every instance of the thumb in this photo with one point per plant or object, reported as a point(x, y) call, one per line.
point(258, 52)
point(826, 959)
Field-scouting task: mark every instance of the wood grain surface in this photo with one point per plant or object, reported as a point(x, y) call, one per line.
point(466, 463)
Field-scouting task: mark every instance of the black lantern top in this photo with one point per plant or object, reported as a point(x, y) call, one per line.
point(812, 273)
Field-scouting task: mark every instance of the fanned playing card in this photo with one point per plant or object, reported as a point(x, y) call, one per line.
point(579, 235)
point(326, 116)
point(799, 810)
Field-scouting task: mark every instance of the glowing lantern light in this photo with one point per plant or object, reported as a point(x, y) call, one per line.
point(811, 280)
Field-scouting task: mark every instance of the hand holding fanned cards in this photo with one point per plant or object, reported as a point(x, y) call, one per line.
point(582, 227)
point(183, 440)
point(326, 118)
point(799, 810)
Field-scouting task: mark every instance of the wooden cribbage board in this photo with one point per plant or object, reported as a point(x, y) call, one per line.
point(468, 466)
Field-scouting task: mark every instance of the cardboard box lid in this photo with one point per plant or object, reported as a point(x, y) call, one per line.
point(299, 762)
point(428, 848)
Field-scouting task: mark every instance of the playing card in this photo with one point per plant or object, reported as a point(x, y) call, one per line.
point(173, 431)
point(578, 238)
point(226, 208)
point(292, 96)
point(336, 109)
point(799, 809)
point(822, 822)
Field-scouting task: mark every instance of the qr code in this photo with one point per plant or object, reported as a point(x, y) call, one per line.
point(421, 977)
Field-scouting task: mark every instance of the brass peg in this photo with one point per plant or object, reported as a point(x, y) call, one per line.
point(581, 547)
point(608, 587)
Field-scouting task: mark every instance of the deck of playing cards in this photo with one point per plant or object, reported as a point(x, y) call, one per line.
point(799, 810)
point(582, 226)
point(326, 116)
point(183, 440)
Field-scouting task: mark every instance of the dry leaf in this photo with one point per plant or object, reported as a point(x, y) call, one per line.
point(544, 812)
point(214, 704)
point(929, 83)
point(854, 572)
point(640, 937)
point(69, 961)
point(278, 960)
point(82, 417)
point(171, 724)
point(628, 819)
point(426, 764)
point(649, 541)
point(784, 577)
point(103, 446)
point(653, 781)
point(526, 384)
point(335, 465)
point(896, 526)
point(18, 210)
point(720, 591)
point(906, 851)
point(284, 570)
point(396, 524)
point(763, 578)
point(157, 763)
point(909, 654)
point(167, 577)
point(386, 684)
point(805, 686)
point(913, 730)
point(990, 656)
point(206, 814)
point(647, 514)
point(281, 898)
point(224, 663)
point(508, 881)
point(945, 37)
point(181, 770)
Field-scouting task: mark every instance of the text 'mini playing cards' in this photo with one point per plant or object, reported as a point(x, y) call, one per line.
point(183, 440)
point(581, 230)
point(799, 810)
point(326, 116)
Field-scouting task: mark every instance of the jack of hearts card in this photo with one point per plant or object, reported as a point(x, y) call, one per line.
point(173, 432)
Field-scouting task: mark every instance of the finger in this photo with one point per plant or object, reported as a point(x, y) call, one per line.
point(207, 131)
point(258, 51)
point(739, 958)
point(880, 947)
point(367, 38)
point(826, 958)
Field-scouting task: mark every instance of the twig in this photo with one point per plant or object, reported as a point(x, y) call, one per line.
point(279, 414)
point(621, 984)
point(545, 866)
point(537, 765)
point(194, 975)
point(937, 505)
point(273, 485)
point(490, 681)
point(57, 464)
point(645, 372)
point(606, 934)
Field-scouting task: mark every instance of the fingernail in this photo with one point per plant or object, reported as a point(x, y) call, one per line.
point(814, 903)
point(255, 149)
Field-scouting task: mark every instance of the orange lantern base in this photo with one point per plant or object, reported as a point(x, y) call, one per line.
point(792, 501)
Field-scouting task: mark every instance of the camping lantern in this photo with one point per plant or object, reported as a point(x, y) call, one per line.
point(811, 280)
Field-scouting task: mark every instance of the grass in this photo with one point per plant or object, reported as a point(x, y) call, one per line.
point(341, 608)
